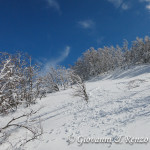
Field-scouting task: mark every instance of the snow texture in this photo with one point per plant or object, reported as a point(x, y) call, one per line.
point(119, 105)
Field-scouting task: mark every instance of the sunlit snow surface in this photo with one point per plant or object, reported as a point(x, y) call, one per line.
point(119, 105)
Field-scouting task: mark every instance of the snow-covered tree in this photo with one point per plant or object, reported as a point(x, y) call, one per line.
point(79, 87)
point(17, 81)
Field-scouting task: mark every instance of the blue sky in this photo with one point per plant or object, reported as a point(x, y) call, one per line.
point(59, 31)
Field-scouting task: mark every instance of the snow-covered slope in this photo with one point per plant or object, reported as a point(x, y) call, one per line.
point(119, 106)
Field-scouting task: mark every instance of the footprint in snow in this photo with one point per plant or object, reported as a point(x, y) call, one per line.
point(51, 131)
point(47, 141)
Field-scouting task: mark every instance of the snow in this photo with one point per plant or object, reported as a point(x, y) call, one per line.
point(119, 105)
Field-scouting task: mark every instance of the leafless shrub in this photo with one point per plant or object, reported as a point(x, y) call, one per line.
point(26, 122)
point(79, 87)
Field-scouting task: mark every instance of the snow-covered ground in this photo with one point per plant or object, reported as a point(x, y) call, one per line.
point(119, 106)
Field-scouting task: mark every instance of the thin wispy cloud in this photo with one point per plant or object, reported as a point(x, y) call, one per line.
point(124, 5)
point(148, 6)
point(54, 4)
point(61, 58)
point(56, 61)
point(86, 24)
point(147, 3)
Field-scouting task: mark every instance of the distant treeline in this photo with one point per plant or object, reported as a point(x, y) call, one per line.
point(94, 62)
